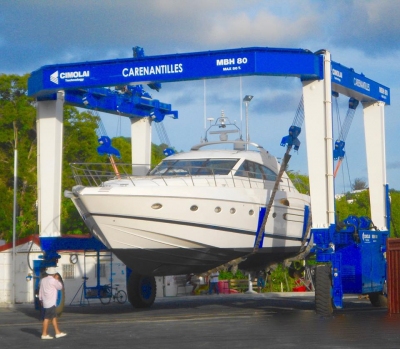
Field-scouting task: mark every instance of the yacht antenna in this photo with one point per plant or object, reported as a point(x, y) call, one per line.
point(204, 105)
point(247, 100)
point(241, 110)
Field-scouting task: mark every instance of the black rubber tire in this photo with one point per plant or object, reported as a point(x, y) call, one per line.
point(105, 295)
point(378, 299)
point(141, 290)
point(121, 297)
point(323, 287)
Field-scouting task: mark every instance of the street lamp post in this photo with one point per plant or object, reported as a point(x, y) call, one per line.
point(14, 286)
point(246, 101)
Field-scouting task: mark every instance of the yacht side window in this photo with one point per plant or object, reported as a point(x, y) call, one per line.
point(221, 166)
point(162, 168)
point(198, 167)
point(250, 169)
point(269, 174)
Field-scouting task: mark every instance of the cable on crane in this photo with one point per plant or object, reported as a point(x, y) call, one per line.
point(295, 130)
point(106, 147)
point(164, 139)
point(338, 152)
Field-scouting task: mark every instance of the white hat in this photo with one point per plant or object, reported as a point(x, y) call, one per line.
point(51, 271)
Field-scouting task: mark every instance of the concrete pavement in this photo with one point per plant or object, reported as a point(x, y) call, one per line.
point(268, 320)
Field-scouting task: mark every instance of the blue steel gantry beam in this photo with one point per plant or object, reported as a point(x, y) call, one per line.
point(304, 64)
point(176, 67)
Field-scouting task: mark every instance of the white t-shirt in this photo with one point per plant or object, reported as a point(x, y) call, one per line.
point(214, 277)
point(48, 291)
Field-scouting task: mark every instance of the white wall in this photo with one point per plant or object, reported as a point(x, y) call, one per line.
point(85, 265)
point(25, 289)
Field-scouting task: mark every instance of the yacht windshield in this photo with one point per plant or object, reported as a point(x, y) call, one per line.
point(198, 167)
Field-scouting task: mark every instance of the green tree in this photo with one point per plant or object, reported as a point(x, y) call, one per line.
point(79, 146)
point(123, 144)
point(17, 129)
point(355, 204)
point(359, 184)
point(395, 213)
point(300, 181)
point(157, 153)
point(281, 280)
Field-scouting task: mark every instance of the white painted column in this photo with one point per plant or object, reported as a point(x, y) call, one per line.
point(141, 145)
point(317, 96)
point(374, 128)
point(49, 126)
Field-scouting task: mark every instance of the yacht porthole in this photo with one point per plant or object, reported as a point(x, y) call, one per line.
point(232, 210)
point(274, 215)
point(156, 206)
point(218, 209)
point(251, 212)
point(194, 208)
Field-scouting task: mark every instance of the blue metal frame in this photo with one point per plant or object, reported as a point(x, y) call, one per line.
point(356, 255)
point(346, 79)
point(176, 67)
point(153, 70)
point(50, 246)
point(71, 244)
point(130, 103)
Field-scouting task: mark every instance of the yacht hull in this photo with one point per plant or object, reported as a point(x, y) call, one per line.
point(177, 230)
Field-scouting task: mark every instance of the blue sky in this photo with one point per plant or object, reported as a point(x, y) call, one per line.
point(360, 34)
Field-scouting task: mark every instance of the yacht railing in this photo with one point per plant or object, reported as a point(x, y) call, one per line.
point(103, 175)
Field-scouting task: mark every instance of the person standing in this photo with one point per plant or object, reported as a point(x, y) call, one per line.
point(261, 280)
point(214, 282)
point(190, 281)
point(49, 286)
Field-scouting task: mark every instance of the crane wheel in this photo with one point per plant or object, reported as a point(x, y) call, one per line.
point(378, 299)
point(323, 287)
point(141, 290)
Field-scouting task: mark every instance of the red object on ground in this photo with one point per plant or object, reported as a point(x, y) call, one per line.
point(299, 289)
point(223, 286)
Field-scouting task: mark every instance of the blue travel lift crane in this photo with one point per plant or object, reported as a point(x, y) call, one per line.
point(350, 254)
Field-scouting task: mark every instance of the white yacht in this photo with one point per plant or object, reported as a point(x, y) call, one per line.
point(196, 210)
